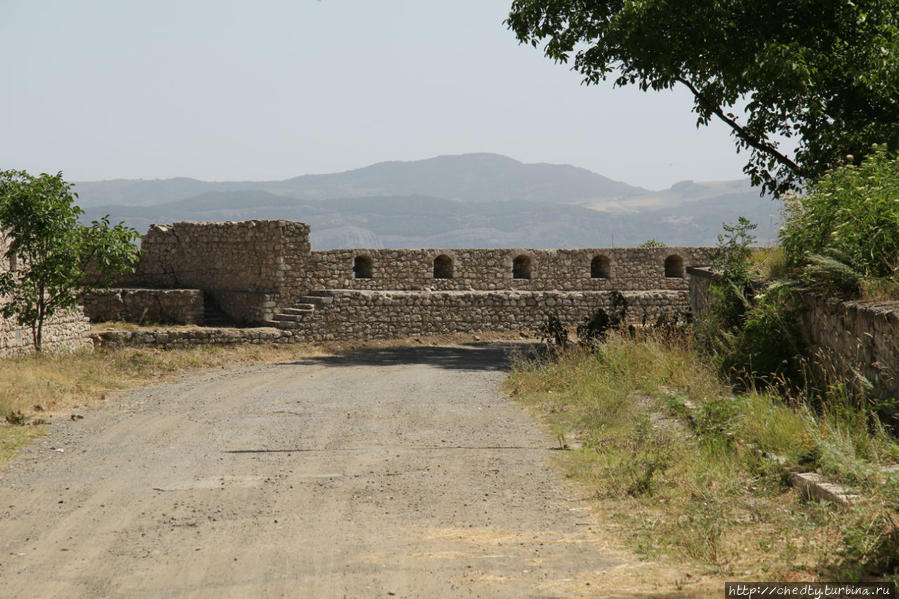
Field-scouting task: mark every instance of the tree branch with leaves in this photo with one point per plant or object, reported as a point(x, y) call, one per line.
point(820, 75)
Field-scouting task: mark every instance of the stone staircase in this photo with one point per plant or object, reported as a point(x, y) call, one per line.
point(306, 305)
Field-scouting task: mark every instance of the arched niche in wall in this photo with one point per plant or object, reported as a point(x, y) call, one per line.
point(674, 267)
point(362, 267)
point(521, 267)
point(600, 267)
point(443, 267)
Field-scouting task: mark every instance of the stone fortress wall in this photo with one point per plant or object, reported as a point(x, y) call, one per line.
point(631, 269)
point(263, 272)
point(242, 266)
point(65, 331)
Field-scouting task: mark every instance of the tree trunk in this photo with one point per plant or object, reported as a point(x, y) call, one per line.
point(37, 328)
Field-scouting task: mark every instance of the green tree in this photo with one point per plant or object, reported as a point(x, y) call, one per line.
point(823, 74)
point(54, 255)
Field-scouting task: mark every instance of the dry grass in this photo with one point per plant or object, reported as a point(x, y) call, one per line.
point(41, 384)
point(880, 290)
point(47, 383)
point(676, 461)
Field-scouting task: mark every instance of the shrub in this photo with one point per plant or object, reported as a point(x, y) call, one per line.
point(852, 215)
point(753, 338)
point(595, 328)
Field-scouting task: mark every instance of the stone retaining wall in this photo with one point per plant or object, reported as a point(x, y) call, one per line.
point(171, 339)
point(845, 337)
point(386, 314)
point(67, 331)
point(854, 336)
point(162, 306)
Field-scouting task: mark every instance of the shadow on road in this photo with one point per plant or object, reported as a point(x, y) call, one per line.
point(473, 356)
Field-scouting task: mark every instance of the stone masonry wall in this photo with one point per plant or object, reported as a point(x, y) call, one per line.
point(242, 265)
point(385, 314)
point(861, 336)
point(169, 306)
point(844, 336)
point(254, 268)
point(65, 331)
point(171, 339)
point(628, 269)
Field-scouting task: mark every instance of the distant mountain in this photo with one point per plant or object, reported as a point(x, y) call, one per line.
point(466, 177)
point(472, 200)
point(422, 221)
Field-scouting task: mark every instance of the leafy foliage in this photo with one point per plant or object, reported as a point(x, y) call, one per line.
point(822, 74)
point(833, 273)
point(52, 252)
point(768, 347)
point(752, 338)
point(851, 216)
point(732, 255)
point(652, 243)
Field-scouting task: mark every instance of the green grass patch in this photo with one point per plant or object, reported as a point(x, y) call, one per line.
point(681, 464)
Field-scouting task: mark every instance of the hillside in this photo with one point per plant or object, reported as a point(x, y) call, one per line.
point(473, 200)
point(466, 177)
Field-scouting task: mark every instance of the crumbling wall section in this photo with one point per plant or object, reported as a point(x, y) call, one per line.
point(853, 338)
point(847, 340)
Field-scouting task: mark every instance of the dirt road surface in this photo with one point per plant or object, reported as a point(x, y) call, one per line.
point(387, 473)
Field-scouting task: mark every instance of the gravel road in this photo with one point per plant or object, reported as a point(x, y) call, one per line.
point(383, 473)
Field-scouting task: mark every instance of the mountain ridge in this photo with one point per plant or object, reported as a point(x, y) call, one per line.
point(466, 200)
point(469, 177)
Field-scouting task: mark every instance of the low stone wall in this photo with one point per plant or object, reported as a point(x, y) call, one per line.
point(171, 339)
point(168, 306)
point(386, 314)
point(67, 331)
point(854, 336)
point(845, 337)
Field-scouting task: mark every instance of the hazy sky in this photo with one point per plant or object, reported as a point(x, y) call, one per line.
point(271, 89)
